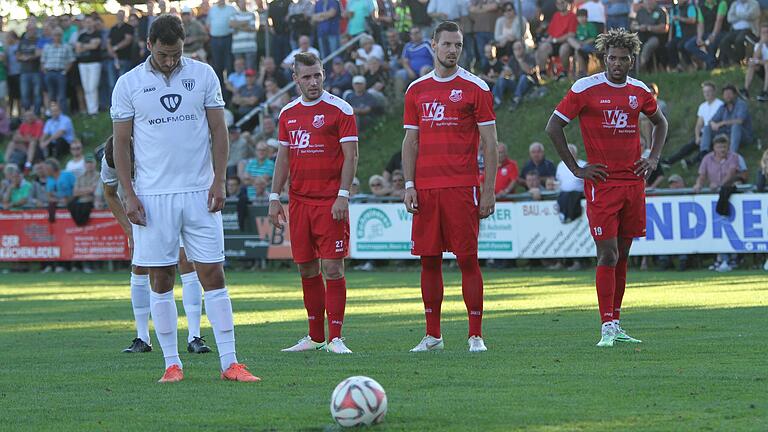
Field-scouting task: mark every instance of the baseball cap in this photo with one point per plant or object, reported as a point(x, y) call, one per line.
point(250, 72)
point(358, 79)
point(338, 60)
point(186, 10)
point(675, 178)
point(273, 143)
point(89, 158)
point(80, 17)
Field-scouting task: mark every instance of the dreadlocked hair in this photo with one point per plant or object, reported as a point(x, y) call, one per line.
point(618, 38)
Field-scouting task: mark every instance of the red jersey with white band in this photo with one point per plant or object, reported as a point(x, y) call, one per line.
point(447, 113)
point(314, 132)
point(609, 116)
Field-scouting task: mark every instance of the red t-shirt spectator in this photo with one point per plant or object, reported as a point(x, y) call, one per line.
point(34, 130)
point(562, 24)
point(506, 174)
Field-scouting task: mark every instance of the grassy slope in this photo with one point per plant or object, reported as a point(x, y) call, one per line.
point(681, 91)
point(699, 368)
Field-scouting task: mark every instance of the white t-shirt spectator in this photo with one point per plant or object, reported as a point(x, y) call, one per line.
point(289, 60)
point(595, 11)
point(568, 181)
point(76, 167)
point(362, 56)
point(707, 110)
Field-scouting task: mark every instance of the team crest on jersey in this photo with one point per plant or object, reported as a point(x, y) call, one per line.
point(188, 84)
point(171, 102)
point(319, 121)
point(633, 102)
point(455, 95)
point(299, 139)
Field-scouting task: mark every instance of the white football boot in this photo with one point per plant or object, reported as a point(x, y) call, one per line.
point(607, 335)
point(305, 344)
point(337, 346)
point(429, 343)
point(476, 344)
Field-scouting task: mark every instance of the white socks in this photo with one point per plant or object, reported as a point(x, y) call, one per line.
point(165, 317)
point(192, 298)
point(218, 307)
point(140, 301)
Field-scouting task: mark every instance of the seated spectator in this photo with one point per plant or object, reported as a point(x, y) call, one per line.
point(394, 50)
point(270, 91)
point(762, 173)
point(583, 42)
point(259, 166)
point(718, 168)
point(417, 60)
point(617, 14)
point(507, 172)
point(651, 24)
point(379, 186)
point(304, 46)
point(533, 184)
point(266, 131)
point(365, 105)
point(555, 40)
point(565, 178)
point(656, 178)
point(236, 78)
point(744, 19)
point(38, 196)
point(758, 65)
point(238, 149)
point(24, 150)
point(571, 189)
point(684, 17)
point(339, 80)
point(508, 30)
point(646, 127)
point(398, 185)
point(354, 189)
point(5, 117)
point(368, 49)
point(258, 189)
point(395, 164)
point(60, 184)
point(16, 192)
point(705, 44)
point(544, 167)
point(58, 133)
point(195, 37)
point(732, 119)
point(675, 181)
point(704, 114)
point(76, 165)
point(84, 192)
point(269, 70)
point(235, 189)
point(376, 78)
point(248, 96)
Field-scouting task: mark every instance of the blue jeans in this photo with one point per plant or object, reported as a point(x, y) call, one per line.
point(481, 40)
point(56, 83)
point(281, 47)
point(736, 133)
point(521, 86)
point(707, 56)
point(328, 44)
point(221, 53)
point(617, 21)
point(114, 73)
point(32, 87)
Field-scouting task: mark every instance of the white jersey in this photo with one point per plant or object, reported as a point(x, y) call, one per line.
point(171, 138)
point(108, 175)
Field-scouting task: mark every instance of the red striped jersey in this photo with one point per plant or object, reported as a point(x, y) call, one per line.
point(447, 113)
point(314, 131)
point(609, 117)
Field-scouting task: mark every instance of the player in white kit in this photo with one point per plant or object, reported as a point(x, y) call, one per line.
point(172, 107)
point(192, 293)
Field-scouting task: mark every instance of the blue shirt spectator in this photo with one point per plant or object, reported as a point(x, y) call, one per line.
point(62, 186)
point(419, 55)
point(330, 26)
point(58, 123)
point(218, 19)
point(359, 11)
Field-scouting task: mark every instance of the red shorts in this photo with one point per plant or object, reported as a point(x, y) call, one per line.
point(615, 210)
point(314, 233)
point(448, 220)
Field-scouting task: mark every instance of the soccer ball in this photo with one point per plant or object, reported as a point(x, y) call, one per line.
point(357, 401)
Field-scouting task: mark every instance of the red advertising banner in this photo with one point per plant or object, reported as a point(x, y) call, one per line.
point(28, 235)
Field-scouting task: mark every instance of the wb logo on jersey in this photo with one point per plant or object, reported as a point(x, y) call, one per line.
point(299, 139)
point(432, 111)
point(171, 102)
point(615, 119)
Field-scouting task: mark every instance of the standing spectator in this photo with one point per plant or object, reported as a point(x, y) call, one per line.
point(5, 121)
point(244, 42)
point(23, 150)
point(684, 17)
point(704, 114)
point(709, 32)
point(28, 55)
point(507, 173)
point(403, 22)
point(68, 27)
point(419, 16)
point(88, 49)
point(368, 49)
point(383, 20)
point(143, 31)
point(327, 18)
point(357, 13)
point(195, 36)
point(221, 37)
point(731, 119)
point(76, 165)
point(651, 23)
point(555, 41)
point(277, 12)
point(57, 58)
point(58, 133)
point(483, 14)
point(14, 71)
point(538, 162)
point(417, 60)
point(364, 104)
point(119, 48)
point(248, 96)
point(758, 64)
point(300, 20)
point(617, 14)
point(3, 74)
point(339, 81)
point(445, 10)
point(507, 30)
point(595, 12)
point(59, 184)
point(744, 19)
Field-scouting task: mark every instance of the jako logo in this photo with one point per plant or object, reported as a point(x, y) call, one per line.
point(433, 111)
point(171, 102)
point(615, 119)
point(299, 138)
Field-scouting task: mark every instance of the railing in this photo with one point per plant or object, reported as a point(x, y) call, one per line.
point(264, 106)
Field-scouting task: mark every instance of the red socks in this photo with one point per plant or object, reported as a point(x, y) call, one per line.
point(606, 285)
point(335, 301)
point(314, 302)
point(432, 292)
point(472, 291)
point(621, 283)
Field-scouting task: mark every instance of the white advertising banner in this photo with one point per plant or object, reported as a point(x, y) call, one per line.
point(675, 225)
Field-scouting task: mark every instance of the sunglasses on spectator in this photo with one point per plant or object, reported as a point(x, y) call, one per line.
point(376, 185)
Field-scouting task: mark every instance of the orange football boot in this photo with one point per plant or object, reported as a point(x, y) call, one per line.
point(172, 374)
point(238, 372)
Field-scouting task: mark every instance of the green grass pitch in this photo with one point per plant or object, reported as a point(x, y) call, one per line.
point(702, 365)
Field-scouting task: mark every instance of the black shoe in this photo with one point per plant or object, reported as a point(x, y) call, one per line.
point(198, 346)
point(138, 346)
point(744, 93)
point(763, 97)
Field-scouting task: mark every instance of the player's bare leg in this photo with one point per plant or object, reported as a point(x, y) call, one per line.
point(192, 299)
point(140, 293)
point(432, 296)
point(314, 302)
point(605, 281)
point(218, 307)
point(624, 244)
point(165, 316)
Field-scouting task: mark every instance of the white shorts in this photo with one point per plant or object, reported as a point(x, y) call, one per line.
point(172, 218)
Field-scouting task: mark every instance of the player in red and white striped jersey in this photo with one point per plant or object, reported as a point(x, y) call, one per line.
point(608, 105)
point(318, 151)
point(447, 113)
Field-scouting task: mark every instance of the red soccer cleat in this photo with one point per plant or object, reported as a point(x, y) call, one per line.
point(239, 372)
point(172, 374)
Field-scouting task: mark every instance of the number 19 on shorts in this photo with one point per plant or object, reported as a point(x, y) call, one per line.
point(598, 231)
